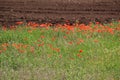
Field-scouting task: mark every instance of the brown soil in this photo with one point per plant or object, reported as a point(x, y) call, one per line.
point(57, 11)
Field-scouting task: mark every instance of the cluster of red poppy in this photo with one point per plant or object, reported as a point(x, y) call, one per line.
point(82, 27)
point(99, 28)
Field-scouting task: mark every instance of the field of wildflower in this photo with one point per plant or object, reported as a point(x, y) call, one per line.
point(35, 51)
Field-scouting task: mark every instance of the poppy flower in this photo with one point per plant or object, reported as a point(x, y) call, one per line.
point(4, 49)
point(70, 28)
point(53, 38)
point(96, 41)
point(12, 27)
point(21, 51)
point(79, 55)
point(56, 49)
point(50, 45)
point(110, 30)
point(0, 51)
point(70, 42)
point(65, 37)
point(42, 36)
point(19, 22)
point(43, 25)
point(38, 40)
point(32, 49)
point(42, 44)
point(81, 40)
point(80, 51)
point(25, 46)
point(5, 45)
point(67, 32)
point(97, 22)
point(4, 28)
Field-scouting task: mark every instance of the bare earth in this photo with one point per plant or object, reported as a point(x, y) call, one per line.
point(56, 11)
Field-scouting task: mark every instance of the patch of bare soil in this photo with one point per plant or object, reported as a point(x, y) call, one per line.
point(57, 11)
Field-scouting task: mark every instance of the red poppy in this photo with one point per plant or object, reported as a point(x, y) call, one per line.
point(70, 42)
point(19, 22)
point(32, 49)
point(56, 49)
point(70, 28)
point(12, 27)
point(81, 40)
point(53, 38)
point(110, 30)
point(97, 22)
point(80, 51)
point(65, 37)
point(43, 25)
point(21, 51)
point(42, 36)
point(4, 28)
point(67, 32)
point(79, 55)
point(0, 51)
point(50, 45)
point(42, 44)
point(96, 41)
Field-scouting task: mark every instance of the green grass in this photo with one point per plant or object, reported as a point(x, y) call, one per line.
point(99, 59)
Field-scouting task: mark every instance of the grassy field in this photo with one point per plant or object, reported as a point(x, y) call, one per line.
point(63, 52)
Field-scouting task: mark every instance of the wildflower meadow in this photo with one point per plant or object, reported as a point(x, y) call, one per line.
point(32, 51)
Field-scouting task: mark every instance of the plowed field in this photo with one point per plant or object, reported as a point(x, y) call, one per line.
point(41, 11)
